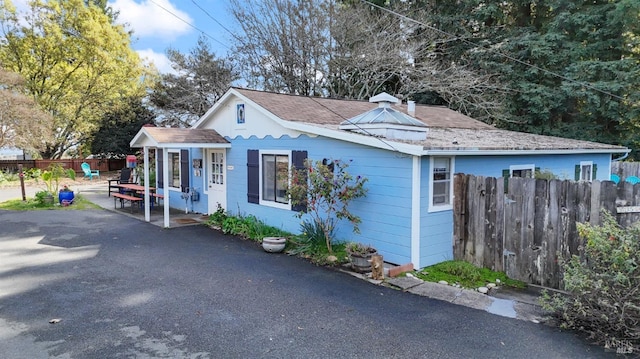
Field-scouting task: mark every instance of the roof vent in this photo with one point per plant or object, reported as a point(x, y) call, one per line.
point(386, 122)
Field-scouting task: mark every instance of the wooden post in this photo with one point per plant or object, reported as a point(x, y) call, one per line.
point(21, 175)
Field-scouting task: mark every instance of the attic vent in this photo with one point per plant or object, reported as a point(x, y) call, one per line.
point(387, 122)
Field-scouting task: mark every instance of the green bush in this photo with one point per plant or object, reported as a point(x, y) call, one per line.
point(604, 287)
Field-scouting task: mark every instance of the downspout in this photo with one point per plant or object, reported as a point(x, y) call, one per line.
point(621, 158)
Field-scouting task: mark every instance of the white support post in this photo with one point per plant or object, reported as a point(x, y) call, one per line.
point(415, 212)
point(165, 180)
point(147, 212)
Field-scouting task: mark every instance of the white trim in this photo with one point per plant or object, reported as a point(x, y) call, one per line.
point(170, 166)
point(586, 163)
point(531, 167)
point(165, 192)
point(415, 211)
point(475, 152)
point(442, 207)
point(262, 202)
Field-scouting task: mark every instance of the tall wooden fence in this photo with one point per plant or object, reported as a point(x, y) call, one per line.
point(528, 231)
point(625, 169)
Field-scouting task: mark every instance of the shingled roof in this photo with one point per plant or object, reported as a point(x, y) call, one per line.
point(449, 130)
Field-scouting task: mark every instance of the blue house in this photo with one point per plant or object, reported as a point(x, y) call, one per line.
point(231, 157)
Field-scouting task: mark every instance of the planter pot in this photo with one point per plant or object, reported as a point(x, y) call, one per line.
point(48, 199)
point(360, 263)
point(274, 244)
point(65, 197)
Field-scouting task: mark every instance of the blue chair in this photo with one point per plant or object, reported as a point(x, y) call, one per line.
point(632, 179)
point(615, 179)
point(88, 172)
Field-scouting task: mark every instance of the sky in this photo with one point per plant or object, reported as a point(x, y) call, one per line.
point(161, 24)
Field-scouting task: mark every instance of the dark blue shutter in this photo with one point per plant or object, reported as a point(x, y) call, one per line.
point(184, 170)
point(253, 176)
point(297, 160)
point(577, 173)
point(594, 169)
point(159, 174)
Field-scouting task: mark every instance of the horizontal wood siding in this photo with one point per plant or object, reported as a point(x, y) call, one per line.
point(385, 211)
point(436, 228)
point(562, 166)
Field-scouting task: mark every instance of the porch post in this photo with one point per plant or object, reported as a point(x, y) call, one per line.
point(147, 213)
point(165, 180)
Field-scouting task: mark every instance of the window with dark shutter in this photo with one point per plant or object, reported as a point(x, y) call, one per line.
point(159, 175)
point(297, 161)
point(184, 170)
point(253, 176)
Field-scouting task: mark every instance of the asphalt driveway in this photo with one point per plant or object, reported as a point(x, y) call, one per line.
point(122, 288)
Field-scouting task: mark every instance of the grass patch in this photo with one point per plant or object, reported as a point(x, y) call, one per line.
point(465, 274)
point(79, 203)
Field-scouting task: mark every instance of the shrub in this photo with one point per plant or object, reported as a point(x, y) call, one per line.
point(326, 189)
point(604, 287)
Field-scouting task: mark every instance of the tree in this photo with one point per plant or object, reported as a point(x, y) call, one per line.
point(76, 62)
point(284, 46)
point(22, 123)
point(568, 67)
point(200, 81)
point(118, 127)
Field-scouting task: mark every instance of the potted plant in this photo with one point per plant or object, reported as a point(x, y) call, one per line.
point(51, 178)
point(360, 255)
point(65, 196)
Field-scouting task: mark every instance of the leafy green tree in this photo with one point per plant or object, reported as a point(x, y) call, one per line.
point(118, 127)
point(77, 64)
point(568, 67)
point(200, 80)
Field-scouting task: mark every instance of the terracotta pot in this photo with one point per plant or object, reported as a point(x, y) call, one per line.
point(274, 244)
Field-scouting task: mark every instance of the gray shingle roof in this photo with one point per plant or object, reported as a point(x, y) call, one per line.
point(448, 129)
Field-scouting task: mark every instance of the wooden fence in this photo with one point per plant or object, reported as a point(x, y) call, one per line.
point(528, 231)
point(625, 169)
point(104, 165)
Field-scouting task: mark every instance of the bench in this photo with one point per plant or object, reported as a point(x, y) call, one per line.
point(125, 197)
point(159, 196)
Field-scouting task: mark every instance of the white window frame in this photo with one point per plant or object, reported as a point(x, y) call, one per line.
point(262, 201)
point(170, 167)
point(441, 207)
point(531, 167)
point(586, 163)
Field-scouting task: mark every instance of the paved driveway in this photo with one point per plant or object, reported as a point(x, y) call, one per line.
point(123, 288)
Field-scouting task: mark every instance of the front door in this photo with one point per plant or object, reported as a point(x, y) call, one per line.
point(217, 179)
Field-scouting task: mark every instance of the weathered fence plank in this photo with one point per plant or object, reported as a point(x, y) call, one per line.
point(531, 229)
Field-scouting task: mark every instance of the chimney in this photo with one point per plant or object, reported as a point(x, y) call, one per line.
point(411, 108)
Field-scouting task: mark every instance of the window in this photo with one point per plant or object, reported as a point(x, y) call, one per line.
point(585, 171)
point(268, 176)
point(522, 171)
point(174, 169)
point(275, 178)
point(441, 182)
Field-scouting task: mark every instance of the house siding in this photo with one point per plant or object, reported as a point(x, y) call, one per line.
point(436, 228)
point(385, 211)
point(563, 166)
point(196, 182)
